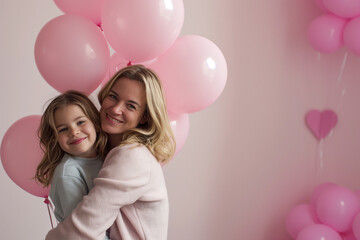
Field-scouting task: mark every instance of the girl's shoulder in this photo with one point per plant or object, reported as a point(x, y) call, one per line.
point(72, 166)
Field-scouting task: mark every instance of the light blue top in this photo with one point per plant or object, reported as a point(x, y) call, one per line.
point(72, 179)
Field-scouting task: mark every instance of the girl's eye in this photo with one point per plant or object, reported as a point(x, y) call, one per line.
point(80, 122)
point(62, 130)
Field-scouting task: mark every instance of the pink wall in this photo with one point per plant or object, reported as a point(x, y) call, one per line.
point(249, 157)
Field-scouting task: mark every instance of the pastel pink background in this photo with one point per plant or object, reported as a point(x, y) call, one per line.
point(249, 157)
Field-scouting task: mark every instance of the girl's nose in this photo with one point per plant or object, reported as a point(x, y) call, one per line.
point(74, 131)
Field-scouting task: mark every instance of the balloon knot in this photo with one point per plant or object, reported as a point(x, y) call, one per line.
point(46, 201)
point(129, 63)
point(99, 25)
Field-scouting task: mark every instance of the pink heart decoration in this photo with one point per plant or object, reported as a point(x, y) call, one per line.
point(321, 123)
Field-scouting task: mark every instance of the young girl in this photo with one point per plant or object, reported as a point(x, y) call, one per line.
point(74, 148)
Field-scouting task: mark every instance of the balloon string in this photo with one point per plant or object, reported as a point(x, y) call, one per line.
point(318, 57)
point(320, 163)
point(341, 72)
point(49, 205)
point(321, 155)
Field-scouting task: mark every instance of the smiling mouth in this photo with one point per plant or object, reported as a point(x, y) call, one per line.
point(113, 119)
point(77, 141)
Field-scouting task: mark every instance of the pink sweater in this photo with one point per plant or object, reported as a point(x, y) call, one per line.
point(129, 195)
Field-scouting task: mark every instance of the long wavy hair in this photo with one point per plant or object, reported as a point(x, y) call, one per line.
point(49, 135)
point(156, 133)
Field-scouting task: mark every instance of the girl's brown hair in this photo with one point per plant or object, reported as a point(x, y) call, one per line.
point(156, 133)
point(49, 135)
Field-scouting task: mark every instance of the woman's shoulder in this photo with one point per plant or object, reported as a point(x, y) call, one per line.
point(130, 153)
point(127, 162)
point(130, 149)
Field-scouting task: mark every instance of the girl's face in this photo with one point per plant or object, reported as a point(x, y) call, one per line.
point(123, 108)
point(76, 133)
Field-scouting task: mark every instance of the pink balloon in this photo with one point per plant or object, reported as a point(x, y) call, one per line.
point(337, 207)
point(356, 226)
point(117, 63)
point(21, 153)
point(193, 72)
point(320, 189)
point(72, 53)
point(318, 232)
point(352, 35)
point(343, 8)
point(142, 30)
point(357, 192)
point(325, 33)
point(321, 5)
point(299, 217)
point(180, 126)
point(90, 9)
point(348, 236)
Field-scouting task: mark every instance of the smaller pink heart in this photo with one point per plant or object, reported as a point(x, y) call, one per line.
point(321, 123)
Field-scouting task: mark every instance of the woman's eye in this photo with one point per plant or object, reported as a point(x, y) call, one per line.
point(131, 107)
point(112, 96)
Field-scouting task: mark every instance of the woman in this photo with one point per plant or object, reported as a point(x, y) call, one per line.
point(130, 193)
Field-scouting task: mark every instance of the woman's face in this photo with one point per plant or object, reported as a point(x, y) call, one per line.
point(123, 108)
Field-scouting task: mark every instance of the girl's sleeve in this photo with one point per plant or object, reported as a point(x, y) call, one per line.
point(121, 181)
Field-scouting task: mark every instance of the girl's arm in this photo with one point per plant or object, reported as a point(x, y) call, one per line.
point(121, 181)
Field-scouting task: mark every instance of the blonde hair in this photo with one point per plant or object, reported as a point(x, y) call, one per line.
point(49, 135)
point(156, 133)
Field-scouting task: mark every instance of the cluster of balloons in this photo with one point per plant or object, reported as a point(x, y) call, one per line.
point(338, 26)
point(72, 51)
point(333, 214)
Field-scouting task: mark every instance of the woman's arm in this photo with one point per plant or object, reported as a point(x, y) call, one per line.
point(121, 181)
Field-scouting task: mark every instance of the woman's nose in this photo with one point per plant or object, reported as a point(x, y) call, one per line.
point(118, 108)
